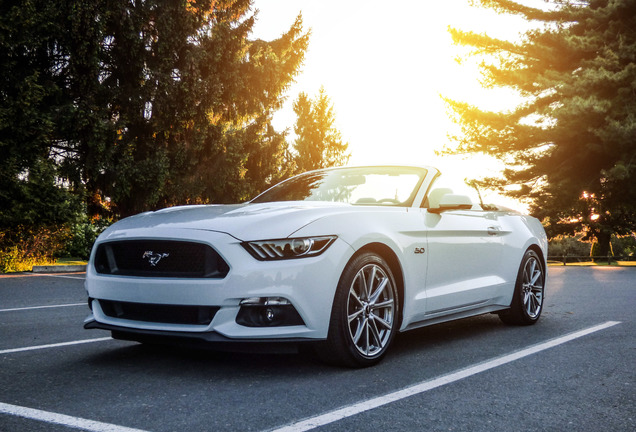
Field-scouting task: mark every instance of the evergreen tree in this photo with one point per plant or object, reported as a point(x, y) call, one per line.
point(195, 98)
point(318, 143)
point(571, 147)
point(30, 190)
point(146, 103)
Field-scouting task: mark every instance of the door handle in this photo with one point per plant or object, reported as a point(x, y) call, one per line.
point(493, 230)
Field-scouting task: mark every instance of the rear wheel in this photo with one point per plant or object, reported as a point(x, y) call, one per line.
point(527, 300)
point(364, 315)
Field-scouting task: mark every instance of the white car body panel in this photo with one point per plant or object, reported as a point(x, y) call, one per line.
point(450, 264)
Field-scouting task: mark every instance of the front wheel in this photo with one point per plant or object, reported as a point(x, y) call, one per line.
point(364, 315)
point(527, 300)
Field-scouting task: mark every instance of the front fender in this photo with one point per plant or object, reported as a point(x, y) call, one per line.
point(400, 230)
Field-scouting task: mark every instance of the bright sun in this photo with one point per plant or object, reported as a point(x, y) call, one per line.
point(385, 67)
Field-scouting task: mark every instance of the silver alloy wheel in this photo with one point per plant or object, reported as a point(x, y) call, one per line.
point(532, 287)
point(370, 310)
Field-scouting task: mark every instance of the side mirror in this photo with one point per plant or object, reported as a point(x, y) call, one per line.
point(452, 202)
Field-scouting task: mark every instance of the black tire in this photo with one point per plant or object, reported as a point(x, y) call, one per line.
point(363, 321)
point(529, 294)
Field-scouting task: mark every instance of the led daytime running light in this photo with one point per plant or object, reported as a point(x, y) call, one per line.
point(268, 250)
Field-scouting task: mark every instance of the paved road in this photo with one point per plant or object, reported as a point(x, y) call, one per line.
point(449, 377)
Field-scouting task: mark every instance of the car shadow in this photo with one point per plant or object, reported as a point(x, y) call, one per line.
point(216, 361)
point(225, 359)
point(450, 332)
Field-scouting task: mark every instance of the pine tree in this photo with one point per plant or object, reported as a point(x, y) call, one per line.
point(143, 103)
point(318, 143)
point(194, 102)
point(30, 190)
point(571, 147)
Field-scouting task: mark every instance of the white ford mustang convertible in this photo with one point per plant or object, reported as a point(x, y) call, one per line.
point(338, 259)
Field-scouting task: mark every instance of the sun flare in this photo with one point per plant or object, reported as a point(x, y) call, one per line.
point(386, 70)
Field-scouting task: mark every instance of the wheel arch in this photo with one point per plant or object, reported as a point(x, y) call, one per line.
point(388, 255)
point(536, 248)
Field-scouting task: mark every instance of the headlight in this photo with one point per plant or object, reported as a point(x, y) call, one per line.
point(304, 247)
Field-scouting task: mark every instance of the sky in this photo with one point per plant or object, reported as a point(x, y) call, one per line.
point(385, 66)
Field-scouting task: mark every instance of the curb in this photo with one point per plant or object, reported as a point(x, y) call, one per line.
point(59, 268)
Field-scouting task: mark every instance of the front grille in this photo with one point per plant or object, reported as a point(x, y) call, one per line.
point(159, 258)
point(168, 314)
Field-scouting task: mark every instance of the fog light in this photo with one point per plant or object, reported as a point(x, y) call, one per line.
point(267, 312)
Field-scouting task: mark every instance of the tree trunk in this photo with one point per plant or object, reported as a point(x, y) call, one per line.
point(604, 248)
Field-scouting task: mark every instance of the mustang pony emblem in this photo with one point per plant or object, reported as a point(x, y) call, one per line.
point(154, 257)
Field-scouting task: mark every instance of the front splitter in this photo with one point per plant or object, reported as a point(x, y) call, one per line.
point(201, 340)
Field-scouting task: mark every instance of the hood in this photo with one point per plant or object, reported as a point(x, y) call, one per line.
point(242, 221)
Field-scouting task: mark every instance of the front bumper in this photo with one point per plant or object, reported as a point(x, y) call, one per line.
point(308, 284)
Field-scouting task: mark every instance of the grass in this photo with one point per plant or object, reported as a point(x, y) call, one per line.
point(28, 264)
point(594, 264)
point(69, 261)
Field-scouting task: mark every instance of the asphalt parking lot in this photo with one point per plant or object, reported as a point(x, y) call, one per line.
point(574, 370)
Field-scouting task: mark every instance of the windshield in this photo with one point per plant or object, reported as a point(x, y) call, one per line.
point(392, 186)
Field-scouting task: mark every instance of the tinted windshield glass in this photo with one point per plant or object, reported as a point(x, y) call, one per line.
point(395, 186)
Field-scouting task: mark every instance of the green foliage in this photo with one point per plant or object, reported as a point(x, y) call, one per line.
point(568, 245)
point(576, 246)
point(571, 147)
point(24, 247)
point(624, 246)
point(30, 192)
point(194, 98)
point(140, 104)
point(81, 237)
point(620, 246)
point(34, 198)
point(318, 144)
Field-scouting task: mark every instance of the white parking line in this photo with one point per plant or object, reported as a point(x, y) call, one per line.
point(61, 276)
point(351, 410)
point(22, 275)
point(43, 307)
point(61, 419)
point(56, 345)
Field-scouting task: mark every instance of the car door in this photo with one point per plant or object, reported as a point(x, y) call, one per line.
point(464, 252)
